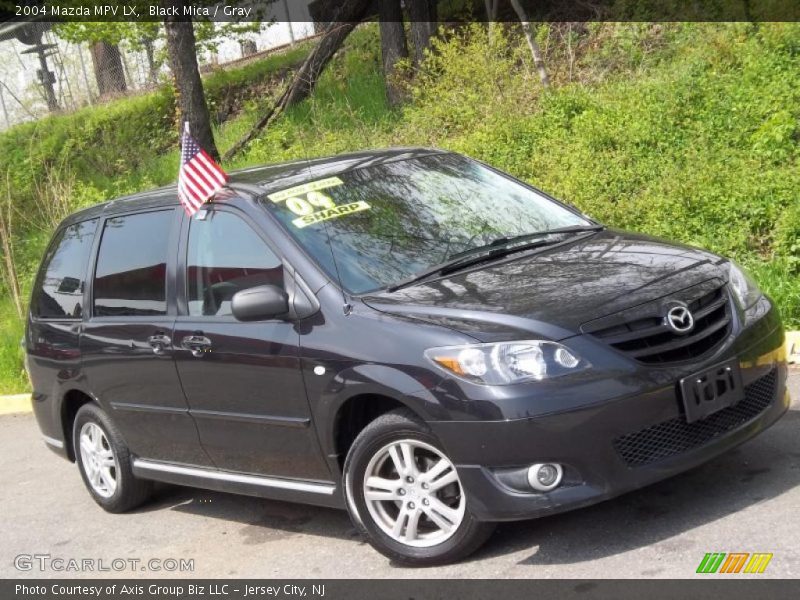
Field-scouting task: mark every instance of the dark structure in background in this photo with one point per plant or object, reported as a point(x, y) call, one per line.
point(31, 34)
point(51, 75)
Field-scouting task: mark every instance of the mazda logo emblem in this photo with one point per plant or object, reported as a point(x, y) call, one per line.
point(680, 319)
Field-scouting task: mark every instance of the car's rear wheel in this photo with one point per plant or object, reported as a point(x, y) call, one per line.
point(404, 493)
point(104, 462)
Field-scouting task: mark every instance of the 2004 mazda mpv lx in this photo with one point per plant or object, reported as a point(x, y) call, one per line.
point(408, 333)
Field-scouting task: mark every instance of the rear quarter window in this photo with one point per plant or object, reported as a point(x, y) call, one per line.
point(130, 277)
point(58, 293)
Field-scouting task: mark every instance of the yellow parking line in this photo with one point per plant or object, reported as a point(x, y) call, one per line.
point(18, 403)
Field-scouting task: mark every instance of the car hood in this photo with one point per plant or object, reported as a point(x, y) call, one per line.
point(551, 293)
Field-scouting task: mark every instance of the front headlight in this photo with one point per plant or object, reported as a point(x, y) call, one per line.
point(743, 287)
point(504, 363)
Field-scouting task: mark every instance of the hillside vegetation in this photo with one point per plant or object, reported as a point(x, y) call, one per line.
point(687, 131)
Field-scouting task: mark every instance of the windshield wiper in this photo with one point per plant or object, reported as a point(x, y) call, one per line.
point(497, 248)
point(505, 242)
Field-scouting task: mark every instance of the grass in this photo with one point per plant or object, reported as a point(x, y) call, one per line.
point(686, 131)
point(12, 375)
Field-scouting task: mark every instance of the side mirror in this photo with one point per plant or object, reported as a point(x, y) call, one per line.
point(260, 303)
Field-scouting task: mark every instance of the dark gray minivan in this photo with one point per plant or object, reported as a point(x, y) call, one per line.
point(406, 333)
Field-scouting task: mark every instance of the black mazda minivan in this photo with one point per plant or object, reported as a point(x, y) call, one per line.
point(409, 334)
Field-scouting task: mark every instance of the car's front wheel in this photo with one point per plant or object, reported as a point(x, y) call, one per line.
point(404, 493)
point(105, 462)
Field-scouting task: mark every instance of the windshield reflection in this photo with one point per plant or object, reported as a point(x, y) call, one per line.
point(374, 226)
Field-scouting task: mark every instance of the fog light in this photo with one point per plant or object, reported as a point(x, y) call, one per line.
point(545, 476)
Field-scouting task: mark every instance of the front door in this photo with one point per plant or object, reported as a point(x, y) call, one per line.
point(125, 345)
point(242, 380)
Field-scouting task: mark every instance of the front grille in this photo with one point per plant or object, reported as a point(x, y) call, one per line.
point(649, 340)
point(676, 435)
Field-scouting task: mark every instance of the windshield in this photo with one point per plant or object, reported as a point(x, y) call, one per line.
point(372, 227)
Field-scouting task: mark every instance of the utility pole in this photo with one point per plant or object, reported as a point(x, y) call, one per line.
point(31, 35)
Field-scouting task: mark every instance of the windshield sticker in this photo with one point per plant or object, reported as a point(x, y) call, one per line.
point(299, 190)
point(312, 201)
point(329, 213)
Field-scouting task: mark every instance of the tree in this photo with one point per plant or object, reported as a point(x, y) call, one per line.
point(536, 52)
point(108, 70)
point(422, 14)
point(103, 40)
point(491, 14)
point(152, 66)
point(393, 47)
point(188, 84)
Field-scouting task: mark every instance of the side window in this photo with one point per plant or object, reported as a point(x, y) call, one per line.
point(130, 278)
point(224, 256)
point(59, 291)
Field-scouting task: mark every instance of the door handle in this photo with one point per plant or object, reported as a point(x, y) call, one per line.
point(159, 342)
point(197, 344)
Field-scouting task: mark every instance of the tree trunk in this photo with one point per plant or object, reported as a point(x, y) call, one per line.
point(188, 85)
point(423, 26)
point(433, 13)
point(152, 69)
point(393, 47)
point(306, 77)
point(536, 52)
point(304, 80)
point(491, 15)
point(108, 70)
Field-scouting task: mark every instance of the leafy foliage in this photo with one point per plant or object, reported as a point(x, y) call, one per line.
point(111, 32)
point(686, 131)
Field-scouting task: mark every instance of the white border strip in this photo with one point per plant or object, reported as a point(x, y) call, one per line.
point(53, 442)
point(284, 484)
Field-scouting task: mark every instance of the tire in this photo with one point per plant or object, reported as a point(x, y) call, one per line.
point(421, 518)
point(114, 487)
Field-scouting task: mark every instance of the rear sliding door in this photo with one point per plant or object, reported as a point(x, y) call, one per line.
point(126, 344)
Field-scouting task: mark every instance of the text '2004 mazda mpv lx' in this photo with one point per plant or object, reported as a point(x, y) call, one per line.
point(408, 333)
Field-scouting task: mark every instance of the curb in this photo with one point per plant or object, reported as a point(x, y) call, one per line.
point(21, 403)
point(18, 403)
point(793, 347)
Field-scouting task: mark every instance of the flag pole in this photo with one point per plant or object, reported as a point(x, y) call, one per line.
point(180, 165)
point(199, 176)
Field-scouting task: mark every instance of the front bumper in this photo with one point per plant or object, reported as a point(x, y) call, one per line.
point(611, 447)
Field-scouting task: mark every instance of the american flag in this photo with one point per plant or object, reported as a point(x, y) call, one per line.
point(200, 177)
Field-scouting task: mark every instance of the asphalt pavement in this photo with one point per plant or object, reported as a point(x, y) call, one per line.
point(745, 501)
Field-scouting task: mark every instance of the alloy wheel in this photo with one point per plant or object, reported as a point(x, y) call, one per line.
point(98, 460)
point(413, 493)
